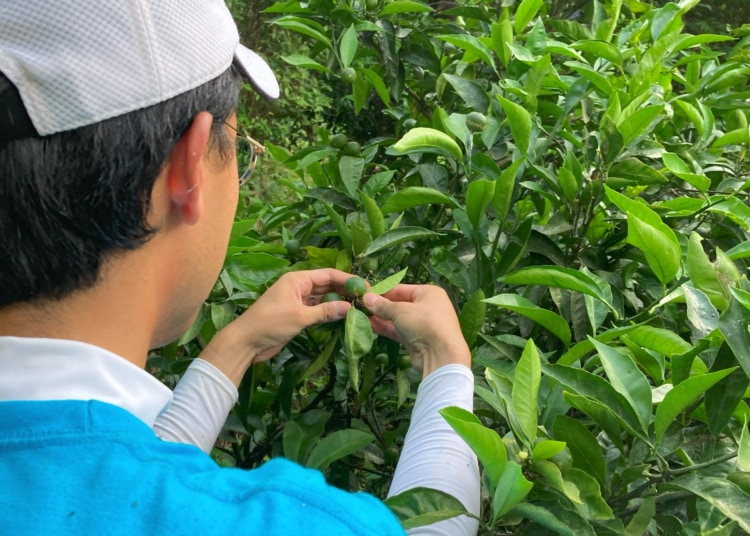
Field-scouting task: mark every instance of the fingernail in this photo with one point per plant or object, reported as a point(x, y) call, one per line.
point(369, 299)
point(341, 309)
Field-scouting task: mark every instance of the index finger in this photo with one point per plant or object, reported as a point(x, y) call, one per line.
point(403, 293)
point(322, 280)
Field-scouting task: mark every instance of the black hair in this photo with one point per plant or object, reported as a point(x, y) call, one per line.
point(70, 200)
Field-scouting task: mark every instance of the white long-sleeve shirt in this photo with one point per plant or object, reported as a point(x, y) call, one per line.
point(54, 369)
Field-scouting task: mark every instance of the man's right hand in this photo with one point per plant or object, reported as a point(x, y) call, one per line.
point(422, 318)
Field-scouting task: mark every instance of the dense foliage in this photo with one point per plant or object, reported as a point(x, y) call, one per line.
point(579, 186)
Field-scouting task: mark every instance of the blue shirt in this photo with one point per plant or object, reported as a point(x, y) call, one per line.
point(87, 467)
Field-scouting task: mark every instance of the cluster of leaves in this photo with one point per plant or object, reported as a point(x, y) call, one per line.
point(590, 222)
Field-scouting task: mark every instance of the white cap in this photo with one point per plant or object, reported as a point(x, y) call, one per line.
point(78, 62)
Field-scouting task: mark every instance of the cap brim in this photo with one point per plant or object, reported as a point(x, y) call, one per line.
point(257, 72)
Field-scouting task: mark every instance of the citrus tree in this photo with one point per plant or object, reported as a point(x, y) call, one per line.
point(579, 187)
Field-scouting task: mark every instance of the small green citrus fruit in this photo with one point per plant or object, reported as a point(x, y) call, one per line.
point(348, 74)
point(351, 149)
point(292, 247)
point(331, 296)
point(355, 286)
point(476, 121)
point(338, 141)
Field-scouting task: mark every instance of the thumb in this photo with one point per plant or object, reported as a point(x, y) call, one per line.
point(328, 312)
point(379, 306)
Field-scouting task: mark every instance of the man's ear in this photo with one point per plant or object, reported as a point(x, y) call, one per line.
point(184, 171)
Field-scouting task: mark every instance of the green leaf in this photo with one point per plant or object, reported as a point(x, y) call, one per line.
point(503, 195)
point(417, 507)
point(585, 450)
point(610, 423)
point(358, 340)
point(377, 82)
point(351, 169)
point(733, 325)
point(525, 392)
point(471, 92)
point(479, 195)
point(553, 476)
point(590, 385)
point(681, 396)
point(486, 443)
point(653, 237)
point(724, 495)
point(414, 196)
point(638, 525)
point(680, 169)
point(388, 283)
point(592, 506)
point(703, 275)
point(255, 269)
point(519, 121)
point(556, 276)
point(470, 44)
point(427, 140)
point(348, 46)
point(299, 60)
point(600, 49)
point(404, 6)
point(341, 227)
point(374, 215)
point(627, 379)
point(511, 489)
point(638, 123)
point(743, 453)
point(305, 27)
point(397, 236)
point(543, 517)
point(740, 251)
point(545, 318)
point(660, 340)
point(337, 445)
point(546, 449)
point(472, 315)
point(526, 11)
point(302, 432)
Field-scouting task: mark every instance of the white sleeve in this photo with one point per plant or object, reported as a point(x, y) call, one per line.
point(200, 405)
point(434, 456)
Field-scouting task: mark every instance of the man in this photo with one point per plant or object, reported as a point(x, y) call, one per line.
point(118, 182)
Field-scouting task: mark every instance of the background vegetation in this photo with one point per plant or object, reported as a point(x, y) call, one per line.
point(575, 175)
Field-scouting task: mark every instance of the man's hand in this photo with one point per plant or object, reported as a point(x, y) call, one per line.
point(285, 309)
point(422, 318)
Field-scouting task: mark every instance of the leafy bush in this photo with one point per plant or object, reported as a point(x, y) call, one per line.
point(590, 221)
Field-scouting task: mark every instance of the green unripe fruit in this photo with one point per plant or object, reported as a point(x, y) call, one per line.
point(352, 149)
point(410, 123)
point(355, 286)
point(372, 5)
point(381, 360)
point(404, 362)
point(476, 121)
point(292, 247)
point(391, 454)
point(369, 265)
point(331, 296)
point(348, 74)
point(338, 141)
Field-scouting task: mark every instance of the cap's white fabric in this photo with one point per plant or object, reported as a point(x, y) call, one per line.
point(78, 62)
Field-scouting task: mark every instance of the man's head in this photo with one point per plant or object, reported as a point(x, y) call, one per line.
point(95, 97)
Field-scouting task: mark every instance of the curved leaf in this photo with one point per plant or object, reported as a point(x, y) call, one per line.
point(547, 319)
point(486, 443)
point(414, 196)
point(427, 140)
point(519, 121)
point(337, 445)
point(681, 396)
point(525, 392)
point(397, 236)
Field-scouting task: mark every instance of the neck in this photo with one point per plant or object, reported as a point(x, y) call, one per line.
point(115, 316)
